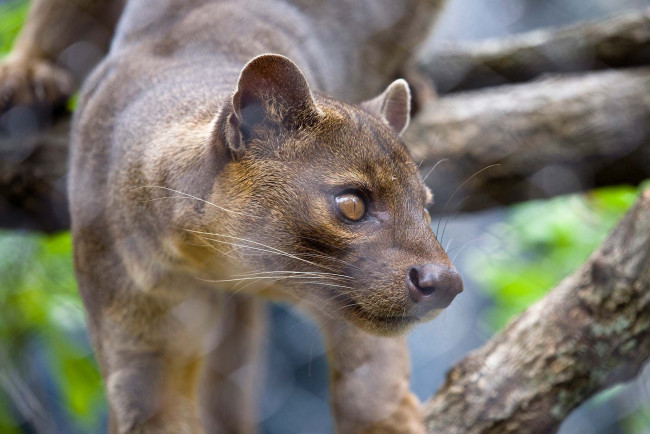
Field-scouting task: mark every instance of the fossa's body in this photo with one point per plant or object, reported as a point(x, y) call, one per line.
point(207, 175)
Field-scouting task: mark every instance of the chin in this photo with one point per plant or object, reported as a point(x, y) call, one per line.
point(389, 326)
point(375, 323)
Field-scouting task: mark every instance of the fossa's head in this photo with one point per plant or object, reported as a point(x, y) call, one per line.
point(330, 202)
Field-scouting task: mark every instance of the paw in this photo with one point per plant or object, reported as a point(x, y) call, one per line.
point(33, 82)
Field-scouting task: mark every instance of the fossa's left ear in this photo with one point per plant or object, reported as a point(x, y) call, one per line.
point(393, 105)
point(272, 94)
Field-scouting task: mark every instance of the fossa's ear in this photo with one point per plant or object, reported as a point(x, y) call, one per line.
point(272, 93)
point(393, 105)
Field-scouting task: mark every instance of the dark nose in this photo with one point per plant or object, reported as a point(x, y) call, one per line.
point(433, 286)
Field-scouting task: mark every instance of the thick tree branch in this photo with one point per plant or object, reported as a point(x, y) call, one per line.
point(619, 41)
point(559, 135)
point(590, 332)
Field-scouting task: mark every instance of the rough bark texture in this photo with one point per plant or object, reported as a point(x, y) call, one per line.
point(619, 41)
point(559, 135)
point(591, 331)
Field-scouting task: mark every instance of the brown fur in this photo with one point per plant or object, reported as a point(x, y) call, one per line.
point(192, 164)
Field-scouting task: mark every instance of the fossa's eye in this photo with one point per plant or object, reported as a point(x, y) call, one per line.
point(351, 206)
point(427, 216)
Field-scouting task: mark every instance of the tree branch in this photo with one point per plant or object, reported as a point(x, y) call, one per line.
point(551, 137)
point(590, 332)
point(560, 135)
point(33, 167)
point(616, 42)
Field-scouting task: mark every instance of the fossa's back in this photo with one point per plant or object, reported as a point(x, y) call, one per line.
point(348, 49)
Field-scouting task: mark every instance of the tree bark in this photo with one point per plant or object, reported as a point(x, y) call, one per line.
point(616, 42)
point(590, 332)
point(560, 135)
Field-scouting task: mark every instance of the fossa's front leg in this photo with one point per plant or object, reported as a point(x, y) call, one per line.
point(152, 392)
point(150, 345)
point(369, 382)
point(35, 72)
point(231, 380)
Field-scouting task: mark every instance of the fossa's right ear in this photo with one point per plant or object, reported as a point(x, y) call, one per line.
point(393, 105)
point(272, 93)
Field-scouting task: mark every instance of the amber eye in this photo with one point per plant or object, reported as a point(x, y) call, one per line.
point(351, 206)
point(427, 215)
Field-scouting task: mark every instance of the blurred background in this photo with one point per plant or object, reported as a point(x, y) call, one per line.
point(508, 257)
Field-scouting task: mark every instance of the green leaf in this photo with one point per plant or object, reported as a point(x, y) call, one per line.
point(542, 242)
point(12, 15)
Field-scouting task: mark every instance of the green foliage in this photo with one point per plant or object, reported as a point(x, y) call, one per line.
point(12, 15)
point(638, 422)
point(39, 303)
point(541, 243)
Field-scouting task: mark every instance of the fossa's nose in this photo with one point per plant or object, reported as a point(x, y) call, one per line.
point(433, 286)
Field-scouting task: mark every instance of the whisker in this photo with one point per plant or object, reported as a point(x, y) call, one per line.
point(463, 248)
point(316, 273)
point(189, 196)
point(461, 186)
point(433, 168)
point(321, 254)
point(453, 213)
point(270, 249)
point(205, 242)
point(330, 284)
point(239, 279)
point(328, 257)
point(448, 244)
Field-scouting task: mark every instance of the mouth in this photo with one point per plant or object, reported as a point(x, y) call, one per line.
point(373, 323)
point(385, 325)
point(394, 325)
point(393, 320)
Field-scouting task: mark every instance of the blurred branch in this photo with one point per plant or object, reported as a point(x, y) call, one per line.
point(618, 41)
point(589, 333)
point(33, 166)
point(551, 137)
point(559, 135)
